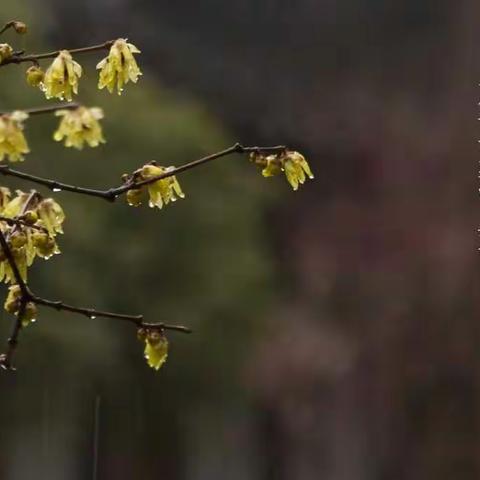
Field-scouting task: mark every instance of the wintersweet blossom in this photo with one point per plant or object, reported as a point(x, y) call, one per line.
point(119, 67)
point(13, 144)
point(61, 77)
point(293, 164)
point(79, 126)
point(160, 192)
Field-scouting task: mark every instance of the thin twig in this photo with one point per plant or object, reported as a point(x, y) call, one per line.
point(54, 185)
point(92, 313)
point(49, 109)
point(237, 148)
point(21, 223)
point(112, 193)
point(35, 57)
point(8, 25)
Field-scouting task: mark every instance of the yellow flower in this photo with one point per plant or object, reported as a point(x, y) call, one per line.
point(16, 204)
point(160, 193)
point(293, 164)
point(30, 314)
point(20, 258)
point(51, 216)
point(13, 144)
point(119, 67)
point(134, 197)
point(13, 302)
point(35, 76)
point(78, 126)
point(6, 51)
point(296, 167)
point(61, 77)
point(44, 245)
point(156, 347)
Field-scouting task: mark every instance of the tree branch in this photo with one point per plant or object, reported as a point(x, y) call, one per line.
point(112, 193)
point(54, 185)
point(49, 109)
point(35, 57)
point(28, 296)
point(14, 24)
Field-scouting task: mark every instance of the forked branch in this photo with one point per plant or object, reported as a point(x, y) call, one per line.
point(27, 296)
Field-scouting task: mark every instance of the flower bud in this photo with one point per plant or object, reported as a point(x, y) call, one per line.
point(18, 239)
point(30, 314)
point(134, 197)
point(6, 51)
point(30, 217)
point(45, 244)
point(35, 76)
point(142, 334)
point(20, 27)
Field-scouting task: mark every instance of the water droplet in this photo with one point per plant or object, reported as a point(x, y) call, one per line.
point(92, 317)
point(56, 189)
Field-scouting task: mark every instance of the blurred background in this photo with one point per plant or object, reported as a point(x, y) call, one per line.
point(336, 330)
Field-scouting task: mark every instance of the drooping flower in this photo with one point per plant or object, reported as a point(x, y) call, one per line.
point(156, 347)
point(61, 77)
point(79, 126)
point(13, 303)
point(293, 164)
point(51, 216)
point(16, 204)
point(119, 67)
point(36, 222)
point(296, 169)
point(160, 192)
point(13, 144)
point(44, 245)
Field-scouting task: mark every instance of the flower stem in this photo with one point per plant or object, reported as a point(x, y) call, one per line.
point(35, 57)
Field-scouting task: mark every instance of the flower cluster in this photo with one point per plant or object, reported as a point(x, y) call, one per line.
point(13, 144)
point(62, 77)
point(293, 164)
point(79, 126)
point(30, 224)
point(161, 192)
point(156, 346)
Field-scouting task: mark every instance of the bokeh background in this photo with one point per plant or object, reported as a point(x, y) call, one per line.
point(336, 328)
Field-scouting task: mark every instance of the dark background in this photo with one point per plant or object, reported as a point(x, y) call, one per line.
point(336, 328)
